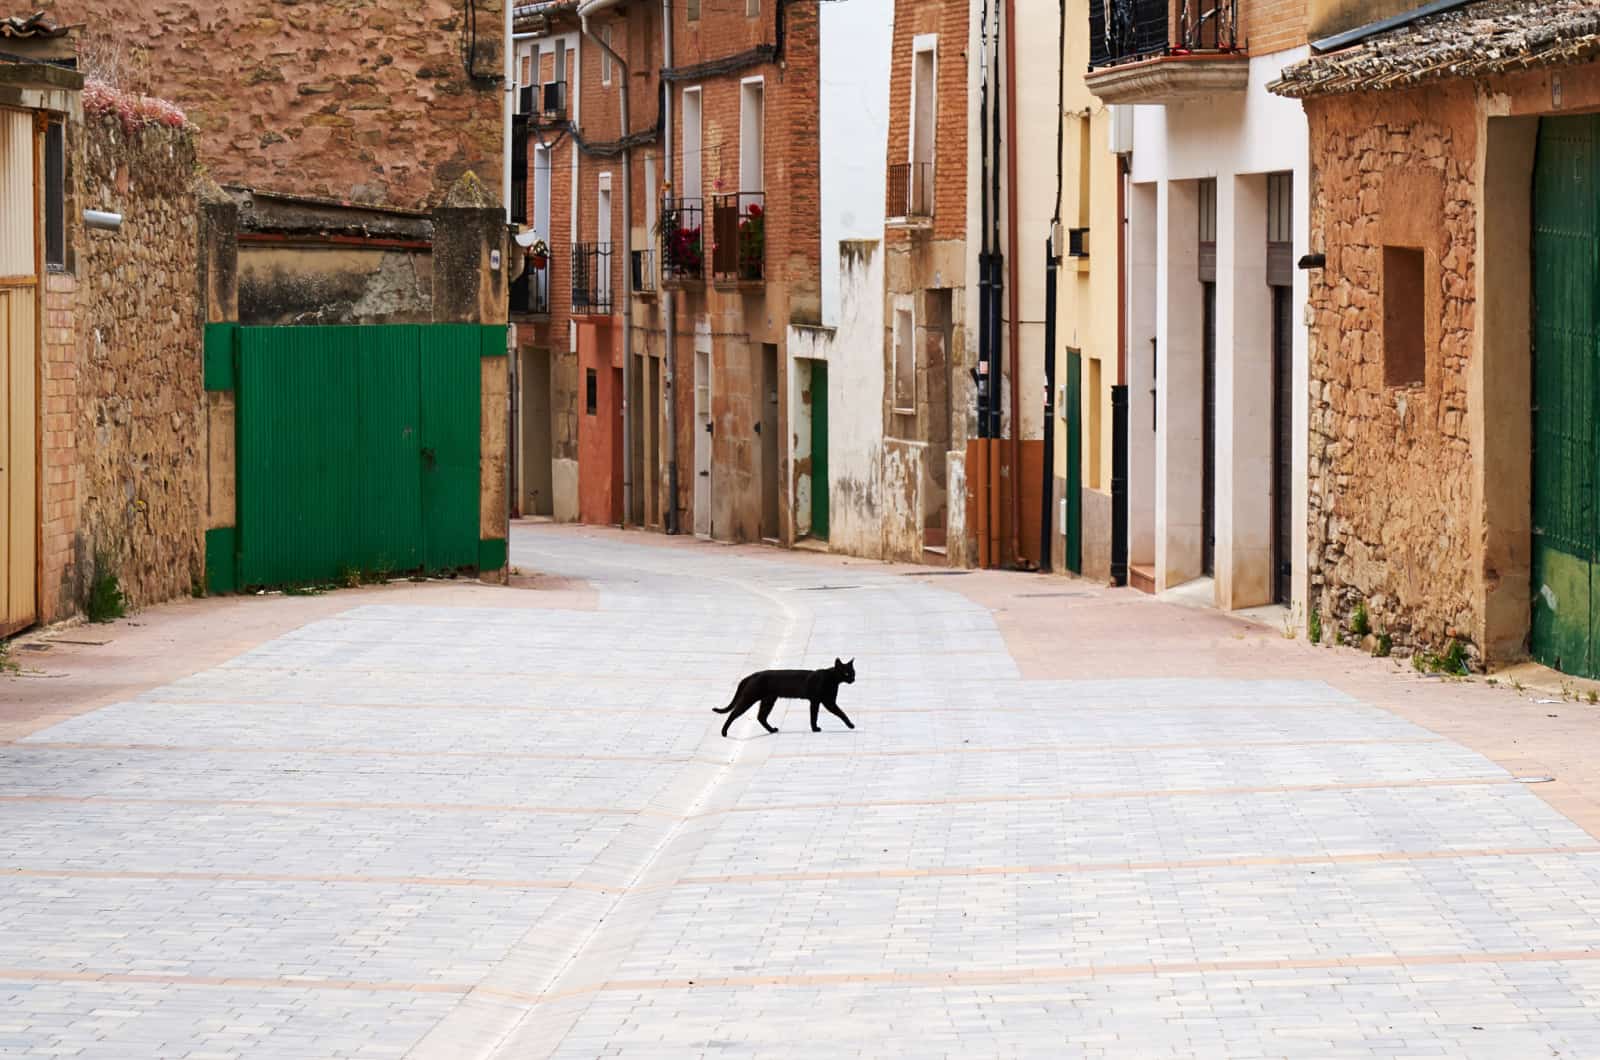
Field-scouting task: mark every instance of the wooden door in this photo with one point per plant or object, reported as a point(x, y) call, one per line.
point(19, 404)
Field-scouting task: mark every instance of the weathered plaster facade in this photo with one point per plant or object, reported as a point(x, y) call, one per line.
point(1421, 494)
point(339, 98)
point(1390, 467)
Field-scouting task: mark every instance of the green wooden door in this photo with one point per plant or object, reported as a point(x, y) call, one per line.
point(819, 450)
point(452, 414)
point(1074, 485)
point(1566, 265)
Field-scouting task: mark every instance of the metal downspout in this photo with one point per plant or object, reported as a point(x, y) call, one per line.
point(1014, 328)
point(627, 277)
point(670, 309)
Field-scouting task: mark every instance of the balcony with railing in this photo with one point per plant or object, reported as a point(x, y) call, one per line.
point(739, 238)
point(1165, 51)
point(530, 292)
point(910, 199)
point(544, 103)
point(683, 253)
point(591, 278)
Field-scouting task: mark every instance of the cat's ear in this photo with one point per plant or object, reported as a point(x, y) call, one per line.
point(836, 661)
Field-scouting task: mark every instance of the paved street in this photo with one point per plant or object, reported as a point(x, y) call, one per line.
point(462, 821)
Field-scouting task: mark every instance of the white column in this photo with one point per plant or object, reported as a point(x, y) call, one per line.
point(1179, 386)
point(1244, 396)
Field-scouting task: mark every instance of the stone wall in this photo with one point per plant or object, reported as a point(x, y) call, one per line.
point(140, 423)
point(347, 99)
point(1390, 466)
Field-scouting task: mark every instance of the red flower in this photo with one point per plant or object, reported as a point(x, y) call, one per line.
point(755, 209)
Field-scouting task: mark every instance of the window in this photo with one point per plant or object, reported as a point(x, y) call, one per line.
point(692, 10)
point(693, 187)
point(752, 8)
point(1404, 303)
point(605, 56)
point(591, 397)
point(752, 135)
point(919, 185)
point(905, 363)
point(55, 196)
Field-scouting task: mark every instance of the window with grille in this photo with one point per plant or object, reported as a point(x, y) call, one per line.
point(591, 395)
point(905, 362)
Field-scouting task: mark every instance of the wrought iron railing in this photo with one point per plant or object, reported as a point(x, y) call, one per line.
point(739, 233)
point(642, 266)
point(683, 245)
point(530, 292)
point(1122, 31)
point(553, 101)
point(911, 190)
point(591, 278)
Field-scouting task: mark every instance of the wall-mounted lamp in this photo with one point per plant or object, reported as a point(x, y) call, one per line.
point(103, 220)
point(1313, 261)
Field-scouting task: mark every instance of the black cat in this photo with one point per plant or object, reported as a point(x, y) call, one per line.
point(821, 687)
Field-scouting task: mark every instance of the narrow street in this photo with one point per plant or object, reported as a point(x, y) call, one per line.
point(472, 821)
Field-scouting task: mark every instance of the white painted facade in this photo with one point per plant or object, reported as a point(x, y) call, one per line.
point(1237, 141)
point(855, 41)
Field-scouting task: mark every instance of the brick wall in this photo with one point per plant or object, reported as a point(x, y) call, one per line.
point(340, 98)
point(948, 19)
point(58, 589)
point(1267, 26)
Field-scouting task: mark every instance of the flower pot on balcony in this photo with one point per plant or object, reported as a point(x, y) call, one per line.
point(539, 261)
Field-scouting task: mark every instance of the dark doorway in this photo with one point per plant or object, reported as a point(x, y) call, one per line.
point(770, 486)
point(1282, 443)
point(1208, 436)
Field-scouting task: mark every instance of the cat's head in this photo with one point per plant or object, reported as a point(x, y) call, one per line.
point(845, 670)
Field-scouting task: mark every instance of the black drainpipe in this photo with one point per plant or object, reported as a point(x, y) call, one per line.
point(1051, 263)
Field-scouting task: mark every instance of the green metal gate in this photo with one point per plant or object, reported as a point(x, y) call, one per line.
point(819, 450)
point(1074, 485)
point(1566, 265)
point(357, 450)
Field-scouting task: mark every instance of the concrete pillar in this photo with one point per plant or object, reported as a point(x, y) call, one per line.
point(1179, 385)
point(1141, 380)
point(1499, 388)
point(1244, 396)
point(219, 296)
point(470, 287)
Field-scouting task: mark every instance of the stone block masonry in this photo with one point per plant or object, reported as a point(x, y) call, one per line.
point(1390, 465)
point(140, 419)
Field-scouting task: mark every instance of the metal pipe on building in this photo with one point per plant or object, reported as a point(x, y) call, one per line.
point(584, 11)
point(670, 302)
point(996, 289)
point(1119, 393)
point(1014, 330)
point(508, 130)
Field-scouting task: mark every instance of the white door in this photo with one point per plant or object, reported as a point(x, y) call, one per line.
point(702, 443)
point(603, 240)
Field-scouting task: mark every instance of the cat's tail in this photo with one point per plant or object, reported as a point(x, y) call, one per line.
point(732, 702)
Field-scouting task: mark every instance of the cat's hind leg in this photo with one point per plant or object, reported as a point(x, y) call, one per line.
point(833, 708)
point(766, 710)
point(736, 711)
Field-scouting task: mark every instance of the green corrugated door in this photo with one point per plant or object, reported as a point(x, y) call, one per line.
point(389, 415)
point(298, 507)
point(819, 450)
point(1074, 497)
point(451, 419)
point(357, 451)
point(1566, 258)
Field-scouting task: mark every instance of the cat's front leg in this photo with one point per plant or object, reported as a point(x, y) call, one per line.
point(814, 707)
